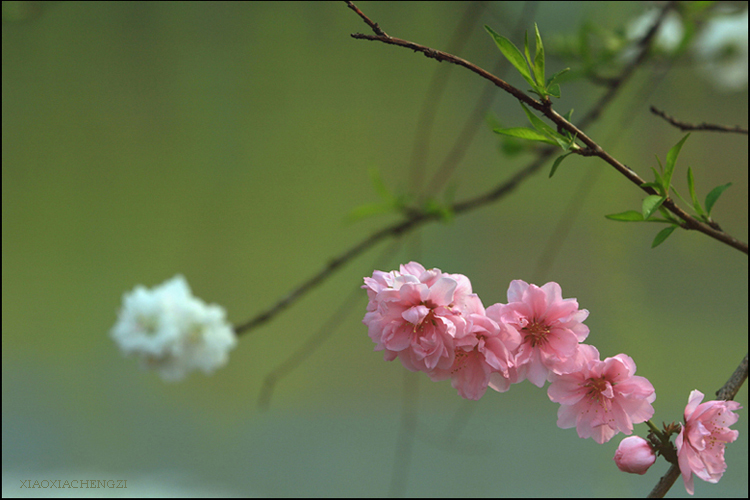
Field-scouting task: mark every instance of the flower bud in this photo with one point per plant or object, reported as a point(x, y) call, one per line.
point(634, 455)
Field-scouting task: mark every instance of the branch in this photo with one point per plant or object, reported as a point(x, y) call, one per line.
point(416, 217)
point(684, 126)
point(592, 148)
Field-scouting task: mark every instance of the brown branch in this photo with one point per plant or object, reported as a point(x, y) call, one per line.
point(476, 118)
point(367, 20)
point(666, 482)
point(684, 126)
point(593, 149)
point(729, 390)
point(416, 217)
point(614, 84)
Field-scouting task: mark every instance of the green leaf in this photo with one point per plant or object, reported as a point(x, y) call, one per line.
point(714, 195)
point(557, 163)
point(545, 129)
point(379, 185)
point(671, 161)
point(571, 144)
point(526, 50)
point(651, 204)
point(693, 196)
point(677, 194)
point(668, 216)
point(526, 133)
point(629, 216)
point(368, 210)
point(659, 181)
point(539, 59)
point(554, 90)
point(443, 212)
point(538, 123)
point(554, 77)
point(662, 235)
point(568, 115)
point(512, 54)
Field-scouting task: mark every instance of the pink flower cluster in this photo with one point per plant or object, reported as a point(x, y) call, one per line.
point(433, 323)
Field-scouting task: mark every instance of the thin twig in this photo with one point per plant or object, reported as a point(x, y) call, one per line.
point(406, 434)
point(367, 20)
point(416, 218)
point(729, 390)
point(313, 343)
point(434, 94)
point(684, 126)
point(592, 148)
point(468, 132)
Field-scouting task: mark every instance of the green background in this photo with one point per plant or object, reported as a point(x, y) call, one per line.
point(227, 142)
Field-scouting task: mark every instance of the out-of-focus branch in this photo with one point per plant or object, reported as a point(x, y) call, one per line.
point(416, 218)
point(684, 126)
point(592, 148)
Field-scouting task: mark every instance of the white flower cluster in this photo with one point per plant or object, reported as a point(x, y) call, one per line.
point(720, 48)
point(171, 331)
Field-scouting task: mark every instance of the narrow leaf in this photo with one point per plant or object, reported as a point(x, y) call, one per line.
point(512, 54)
point(526, 133)
point(677, 193)
point(651, 204)
point(557, 163)
point(671, 161)
point(542, 127)
point(368, 210)
point(554, 77)
point(693, 196)
point(554, 90)
point(539, 59)
point(526, 50)
point(662, 235)
point(629, 216)
point(379, 185)
point(659, 181)
point(714, 195)
point(538, 123)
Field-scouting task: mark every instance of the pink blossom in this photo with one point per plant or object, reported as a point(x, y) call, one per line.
point(551, 328)
point(602, 398)
point(634, 455)
point(700, 444)
point(483, 351)
point(415, 314)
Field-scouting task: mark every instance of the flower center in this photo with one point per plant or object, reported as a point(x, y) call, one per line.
point(427, 320)
point(536, 333)
point(460, 362)
point(595, 387)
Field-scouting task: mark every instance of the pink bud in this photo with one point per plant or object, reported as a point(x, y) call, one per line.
point(634, 455)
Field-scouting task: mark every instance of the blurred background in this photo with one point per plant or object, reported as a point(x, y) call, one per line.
point(228, 141)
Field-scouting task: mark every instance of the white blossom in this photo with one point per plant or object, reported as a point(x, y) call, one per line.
point(668, 36)
point(171, 331)
point(722, 50)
